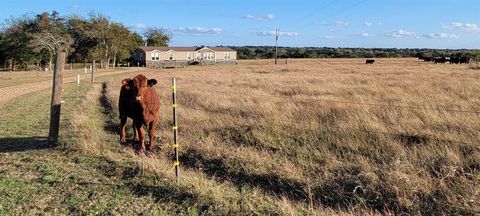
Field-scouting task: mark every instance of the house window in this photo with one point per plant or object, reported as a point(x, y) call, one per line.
point(155, 56)
point(225, 56)
point(170, 56)
point(209, 56)
point(189, 56)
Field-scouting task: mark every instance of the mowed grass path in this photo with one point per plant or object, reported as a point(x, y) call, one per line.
point(35, 179)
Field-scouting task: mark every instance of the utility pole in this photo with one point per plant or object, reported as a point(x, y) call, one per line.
point(276, 44)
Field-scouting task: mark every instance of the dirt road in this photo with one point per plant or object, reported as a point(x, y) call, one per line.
point(8, 93)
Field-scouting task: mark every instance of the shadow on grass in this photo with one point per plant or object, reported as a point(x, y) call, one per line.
point(19, 144)
point(107, 109)
point(165, 193)
point(271, 183)
point(135, 181)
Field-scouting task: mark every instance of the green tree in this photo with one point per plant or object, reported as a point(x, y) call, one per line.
point(476, 56)
point(17, 37)
point(84, 44)
point(3, 59)
point(157, 37)
point(122, 42)
point(50, 33)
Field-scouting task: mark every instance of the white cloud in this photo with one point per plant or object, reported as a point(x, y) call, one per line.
point(328, 37)
point(337, 24)
point(365, 34)
point(137, 26)
point(260, 18)
point(341, 23)
point(440, 36)
point(370, 24)
point(272, 33)
point(322, 23)
point(468, 27)
point(199, 30)
point(76, 6)
point(401, 34)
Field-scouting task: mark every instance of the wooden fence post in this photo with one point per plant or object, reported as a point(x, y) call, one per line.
point(175, 126)
point(56, 97)
point(92, 78)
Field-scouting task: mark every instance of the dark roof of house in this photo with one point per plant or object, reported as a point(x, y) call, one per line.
point(185, 49)
point(164, 49)
point(222, 49)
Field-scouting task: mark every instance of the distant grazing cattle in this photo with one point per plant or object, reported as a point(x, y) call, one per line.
point(369, 61)
point(464, 60)
point(454, 60)
point(421, 58)
point(439, 60)
point(427, 59)
point(139, 101)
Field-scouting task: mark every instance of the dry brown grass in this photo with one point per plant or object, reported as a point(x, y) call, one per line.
point(399, 136)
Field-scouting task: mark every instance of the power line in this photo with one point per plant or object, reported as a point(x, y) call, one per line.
point(318, 10)
point(343, 10)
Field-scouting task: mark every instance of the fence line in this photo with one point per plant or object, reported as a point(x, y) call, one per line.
point(428, 136)
point(398, 106)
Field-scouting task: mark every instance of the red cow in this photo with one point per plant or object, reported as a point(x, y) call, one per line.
point(140, 102)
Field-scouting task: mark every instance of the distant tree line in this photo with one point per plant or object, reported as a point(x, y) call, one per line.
point(267, 52)
point(26, 40)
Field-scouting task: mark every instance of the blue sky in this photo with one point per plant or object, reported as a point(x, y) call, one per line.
point(331, 23)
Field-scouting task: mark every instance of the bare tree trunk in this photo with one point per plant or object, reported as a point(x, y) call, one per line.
point(108, 63)
point(56, 97)
point(50, 64)
point(114, 61)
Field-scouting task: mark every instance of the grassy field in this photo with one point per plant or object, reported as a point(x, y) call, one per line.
point(313, 137)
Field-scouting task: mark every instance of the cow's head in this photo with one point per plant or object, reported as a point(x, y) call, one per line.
point(139, 85)
point(127, 83)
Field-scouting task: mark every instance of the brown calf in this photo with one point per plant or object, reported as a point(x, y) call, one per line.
point(140, 102)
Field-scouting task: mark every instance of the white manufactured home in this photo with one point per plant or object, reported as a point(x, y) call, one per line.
point(174, 56)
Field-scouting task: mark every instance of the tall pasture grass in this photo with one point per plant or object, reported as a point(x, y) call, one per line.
point(317, 136)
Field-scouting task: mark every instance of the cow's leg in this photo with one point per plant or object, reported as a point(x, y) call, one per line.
point(123, 125)
point(135, 134)
point(141, 134)
point(151, 135)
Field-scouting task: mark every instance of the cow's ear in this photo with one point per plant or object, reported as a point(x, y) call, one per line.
point(126, 81)
point(152, 82)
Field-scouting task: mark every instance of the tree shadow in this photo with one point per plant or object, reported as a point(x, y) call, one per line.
point(270, 183)
point(165, 193)
point(135, 181)
point(20, 144)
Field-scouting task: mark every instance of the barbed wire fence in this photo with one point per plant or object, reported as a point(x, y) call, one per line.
point(320, 125)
